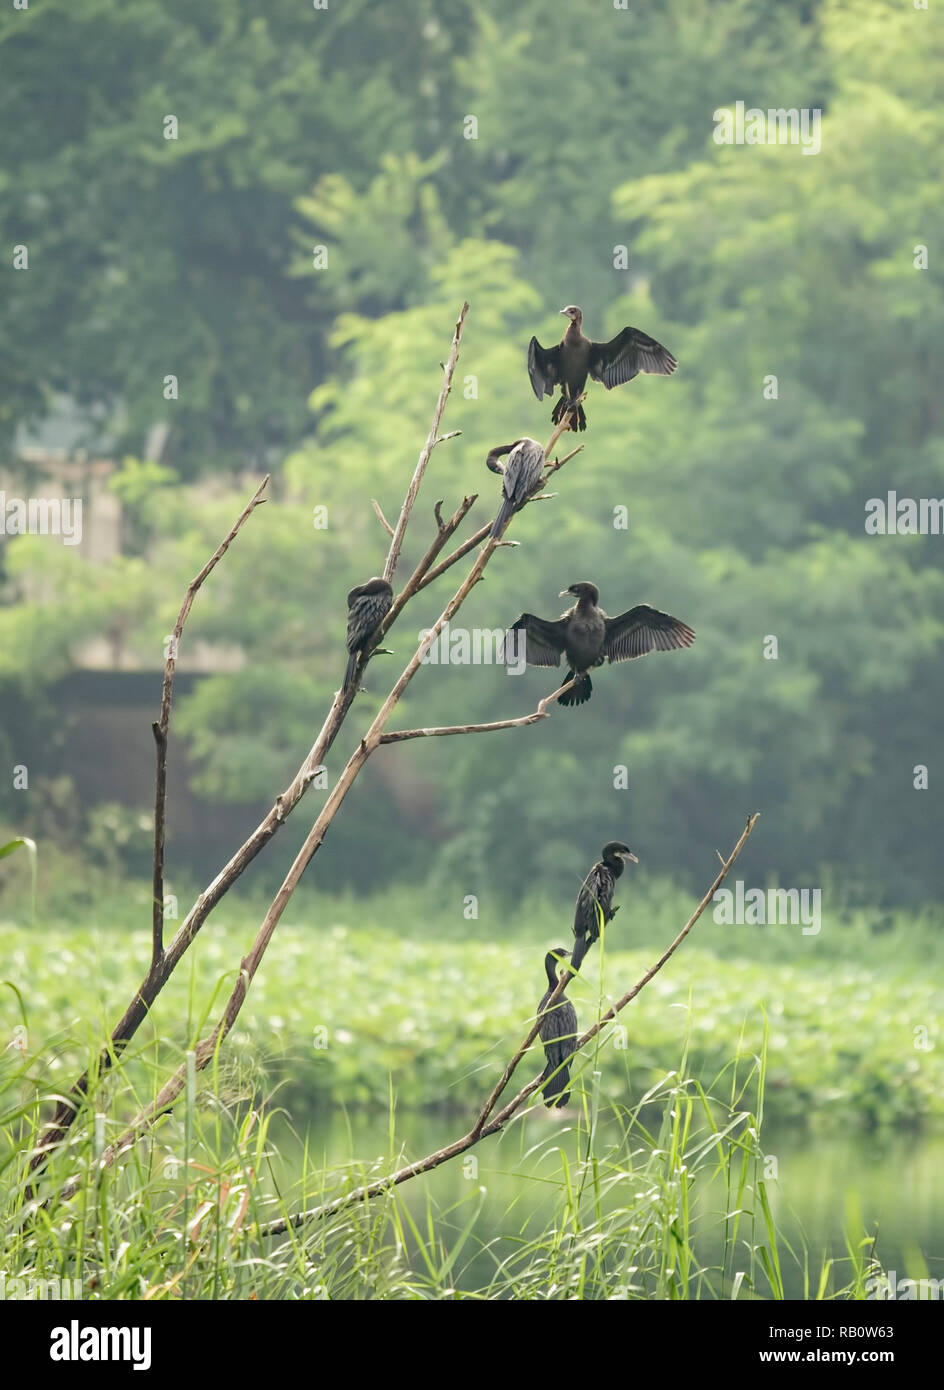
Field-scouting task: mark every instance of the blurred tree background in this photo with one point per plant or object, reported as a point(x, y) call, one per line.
point(346, 129)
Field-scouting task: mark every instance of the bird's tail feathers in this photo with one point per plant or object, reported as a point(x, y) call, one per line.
point(578, 419)
point(578, 691)
point(351, 671)
point(581, 946)
point(555, 1089)
point(505, 513)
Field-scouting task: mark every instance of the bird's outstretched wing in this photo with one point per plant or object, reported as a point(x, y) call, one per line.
point(543, 368)
point(643, 629)
point(544, 641)
point(626, 355)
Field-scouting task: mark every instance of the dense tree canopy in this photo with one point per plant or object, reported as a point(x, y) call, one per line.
point(745, 499)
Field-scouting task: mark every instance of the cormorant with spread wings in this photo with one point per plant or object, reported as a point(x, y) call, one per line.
point(587, 638)
point(575, 358)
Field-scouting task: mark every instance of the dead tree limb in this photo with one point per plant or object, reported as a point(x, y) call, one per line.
point(207, 1046)
point(165, 962)
point(432, 439)
point(488, 1123)
point(380, 516)
point(542, 712)
point(67, 1107)
point(162, 724)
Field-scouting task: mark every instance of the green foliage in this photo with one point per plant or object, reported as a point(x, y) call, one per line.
point(745, 515)
point(439, 1008)
point(662, 1200)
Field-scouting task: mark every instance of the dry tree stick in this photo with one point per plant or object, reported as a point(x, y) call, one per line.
point(485, 1126)
point(480, 535)
point(249, 965)
point(485, 531)
point(161, 726)
point(630, 995)
point(67, 1105)
point(542, 712)
point(371, 740)
point(432, 439)
point(416, 581)
point(380, 516)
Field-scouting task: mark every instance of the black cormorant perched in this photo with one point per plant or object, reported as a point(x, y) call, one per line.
point(596, 898)
point(575, 357)
point(558, 1034)
point(521, 476)
point(587, 637)
point(367, 606)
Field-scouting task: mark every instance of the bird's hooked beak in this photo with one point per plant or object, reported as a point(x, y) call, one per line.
point(565, 593)
point(628, 854)
point(564, 311)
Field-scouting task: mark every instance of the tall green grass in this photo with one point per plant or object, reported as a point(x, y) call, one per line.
point(662, 1200)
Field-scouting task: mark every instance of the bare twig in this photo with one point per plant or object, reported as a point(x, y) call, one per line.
point(416, 580)
point(206, 1047)
point(481, 534)
point(380, 516)
point(432, 439)
point(484, 531)
point(161, 725)
point(559, 463)
point(542, 712)
point(67, 1107)
point(487, 1123)
point(631, 994)
point(159, 971)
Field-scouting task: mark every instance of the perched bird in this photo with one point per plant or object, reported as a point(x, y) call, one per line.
point(595, 899)
point(367, 606)
point(587, 638)
point(521, 476)
point(558, 1033)
point(575, 357)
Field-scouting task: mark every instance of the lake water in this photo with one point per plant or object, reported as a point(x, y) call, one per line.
point(823, 1183)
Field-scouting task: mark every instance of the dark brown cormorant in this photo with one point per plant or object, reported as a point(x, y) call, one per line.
point(596, 898)
point(587, 637)
point(521, 476)
point(367, 606)
point(575, 357)
point(558, 1034)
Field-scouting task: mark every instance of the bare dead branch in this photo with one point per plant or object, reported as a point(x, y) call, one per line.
point(380, 516)
point(559, 463)
point(487, 1123)
point(416, 580)
point(162, 724)
point(631, 994)
point(542, 712)
point(160, 970)
point(481, 534)
point(432, 439)
point(156, 978)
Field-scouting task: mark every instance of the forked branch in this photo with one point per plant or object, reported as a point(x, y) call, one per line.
point(488, 1123)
